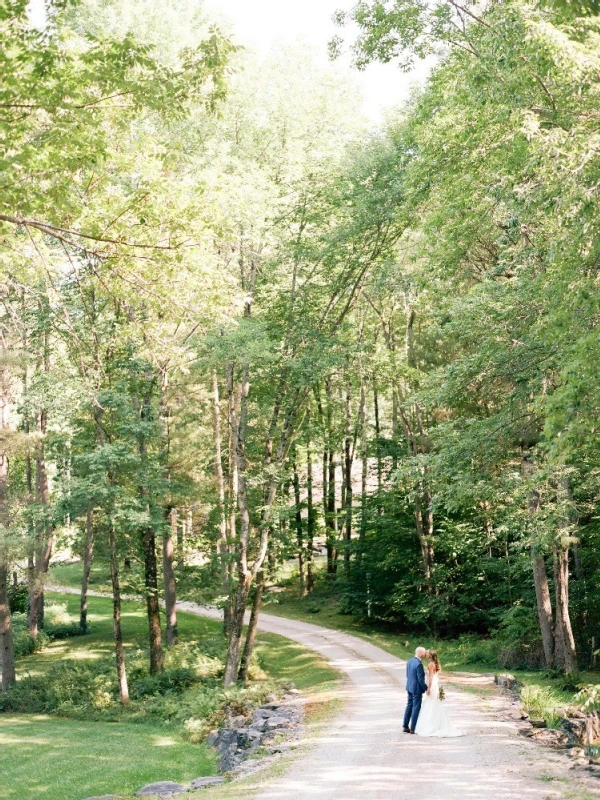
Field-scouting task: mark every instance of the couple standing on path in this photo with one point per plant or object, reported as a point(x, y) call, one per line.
point(432, 719)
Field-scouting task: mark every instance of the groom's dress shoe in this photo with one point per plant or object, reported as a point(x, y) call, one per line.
point(406, 730)
point(412, 731)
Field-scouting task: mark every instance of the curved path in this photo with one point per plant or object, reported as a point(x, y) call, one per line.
point(364, 755)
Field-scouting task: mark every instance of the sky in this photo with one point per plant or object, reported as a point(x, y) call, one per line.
point(260, 23)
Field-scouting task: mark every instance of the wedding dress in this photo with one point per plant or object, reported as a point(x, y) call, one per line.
point(433, 719)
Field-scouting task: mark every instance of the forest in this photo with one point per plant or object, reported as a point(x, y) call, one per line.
point(240, 326)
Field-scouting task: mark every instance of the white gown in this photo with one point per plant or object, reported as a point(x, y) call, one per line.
point(433, 719)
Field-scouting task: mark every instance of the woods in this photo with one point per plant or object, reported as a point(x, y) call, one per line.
point(240, 327)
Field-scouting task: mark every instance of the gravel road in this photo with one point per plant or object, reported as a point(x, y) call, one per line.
point(364, 755)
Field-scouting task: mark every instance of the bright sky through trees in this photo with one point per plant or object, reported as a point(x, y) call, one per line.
point(262, 23)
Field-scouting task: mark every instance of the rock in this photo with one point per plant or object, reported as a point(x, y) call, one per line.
point(249, 739)
point(507, 681)
point(240, 721)
point(538, 723)
point(259, 725)
point(230, 759)
point(552, 737)
point(576, 752)
point(580, 762)
point(213, 739)
point(204, 783)
point(226, 737)
point(277, 722)
point(162, 789)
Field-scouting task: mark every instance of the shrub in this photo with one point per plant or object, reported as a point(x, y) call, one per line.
point(64, 631)
point(519, 639)
point(175, 679)
point(57, 614)
point(18, 597)
point(23, 642)
point(541, 703)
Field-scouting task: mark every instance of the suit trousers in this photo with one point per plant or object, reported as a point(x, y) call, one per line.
point(413, 709)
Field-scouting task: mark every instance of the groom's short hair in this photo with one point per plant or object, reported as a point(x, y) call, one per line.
point(420, 650)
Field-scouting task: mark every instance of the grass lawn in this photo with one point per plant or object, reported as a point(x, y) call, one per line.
point(58, 759)
point(62, 759)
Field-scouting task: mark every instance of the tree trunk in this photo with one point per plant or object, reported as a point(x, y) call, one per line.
point(299, 528)
point(180, 536)
point(88, 556)
point(348, 459)
point(364, 471)
point(118, 633)
point(331, 518)
point(565, 652)
point(152, 600)
point(544, 605)
point(232, 666)
point(7, 655)
point(252, 627)
point(238, 424)
point(223, 544)
point(169, 580)
point(310, 522)
point(540, 578)
point(148, 542)
point(44, 532)
point(378, 441)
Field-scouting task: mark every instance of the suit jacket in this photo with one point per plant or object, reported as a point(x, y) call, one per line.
point(415, 676)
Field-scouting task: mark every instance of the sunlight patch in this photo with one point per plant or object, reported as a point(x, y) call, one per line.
point(164, 741)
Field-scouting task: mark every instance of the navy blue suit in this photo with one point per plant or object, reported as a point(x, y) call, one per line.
point(416, 688)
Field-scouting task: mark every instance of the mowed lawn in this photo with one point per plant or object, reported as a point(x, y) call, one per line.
point(57, 759)
point(60, 759)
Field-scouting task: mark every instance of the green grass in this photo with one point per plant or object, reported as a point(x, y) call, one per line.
point(57, 759)
point(99, 642)
point(62, 759)
point(69, 575)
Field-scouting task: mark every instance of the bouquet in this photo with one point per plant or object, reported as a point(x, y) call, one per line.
point(442, 693)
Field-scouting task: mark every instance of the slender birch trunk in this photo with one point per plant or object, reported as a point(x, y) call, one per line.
point(223, 544)
point(252, 627)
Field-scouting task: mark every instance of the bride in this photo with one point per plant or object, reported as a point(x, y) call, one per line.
point(433, 719)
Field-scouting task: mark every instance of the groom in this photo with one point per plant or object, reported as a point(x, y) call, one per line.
point(416, 688)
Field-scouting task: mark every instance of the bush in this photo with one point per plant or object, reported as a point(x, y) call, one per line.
point(18, 597)
point(542, 703)
point(175, 680)
point(64, 631)
point(519, 639)
point(56, 614)
point(188, 694)
point(24, 643)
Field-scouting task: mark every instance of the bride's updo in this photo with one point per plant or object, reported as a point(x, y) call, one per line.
point(433, 656)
